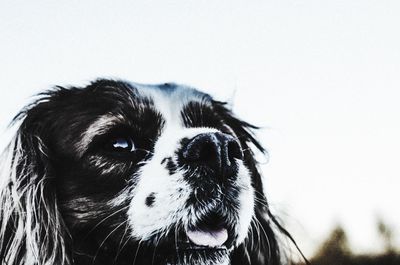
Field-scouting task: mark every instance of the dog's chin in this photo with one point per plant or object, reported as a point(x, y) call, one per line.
point(202, 257)
point(198, 245)
point(189, 253)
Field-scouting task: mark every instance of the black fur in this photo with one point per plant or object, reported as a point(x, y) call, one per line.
point(73, 223)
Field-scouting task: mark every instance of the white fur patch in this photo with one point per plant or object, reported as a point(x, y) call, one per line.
point(171, 191)
point(246, 200)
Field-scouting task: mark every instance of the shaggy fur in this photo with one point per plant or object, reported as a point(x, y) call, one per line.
point(118, 173)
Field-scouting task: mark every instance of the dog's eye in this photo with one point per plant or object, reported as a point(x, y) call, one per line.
point(121, 144)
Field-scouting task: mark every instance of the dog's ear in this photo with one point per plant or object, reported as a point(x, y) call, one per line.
point(31, 228)
point(261, 246)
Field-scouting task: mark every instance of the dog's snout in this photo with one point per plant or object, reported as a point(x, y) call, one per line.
point(214, 150)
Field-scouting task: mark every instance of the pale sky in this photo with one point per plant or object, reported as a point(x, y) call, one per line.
point(321, 77)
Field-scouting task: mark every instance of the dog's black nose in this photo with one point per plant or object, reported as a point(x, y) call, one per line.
point(216, 151)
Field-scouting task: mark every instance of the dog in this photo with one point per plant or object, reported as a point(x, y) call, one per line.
point(126, 173)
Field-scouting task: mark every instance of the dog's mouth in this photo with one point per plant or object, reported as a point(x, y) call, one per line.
point(210, 234)
point(203, 240)
point(208, 238)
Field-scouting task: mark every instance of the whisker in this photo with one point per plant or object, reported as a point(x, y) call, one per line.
point(122, 239)
point(137, 252)
point(104, 219)
point(105, 239)
point(266, 237)
point(154, 252)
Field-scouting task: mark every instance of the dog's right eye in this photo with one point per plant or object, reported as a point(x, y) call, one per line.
point(120, 145)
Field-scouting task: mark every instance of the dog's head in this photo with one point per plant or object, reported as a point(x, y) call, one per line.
point(134, 174)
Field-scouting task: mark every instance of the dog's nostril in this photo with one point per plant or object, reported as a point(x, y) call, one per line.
point(207, 153)
point(234, 150)
point(214, 150)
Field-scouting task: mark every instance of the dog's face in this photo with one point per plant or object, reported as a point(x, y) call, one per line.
point(158, 161)
point(159, 174)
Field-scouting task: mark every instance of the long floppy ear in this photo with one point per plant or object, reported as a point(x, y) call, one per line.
point(262, 246)
point(31, 228)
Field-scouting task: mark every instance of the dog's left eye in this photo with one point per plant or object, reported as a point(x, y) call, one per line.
point(121, 144)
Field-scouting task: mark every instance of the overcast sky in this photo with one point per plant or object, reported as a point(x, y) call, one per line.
point(321, 77)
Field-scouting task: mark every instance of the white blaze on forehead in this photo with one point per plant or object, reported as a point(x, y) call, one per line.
point(169, 99)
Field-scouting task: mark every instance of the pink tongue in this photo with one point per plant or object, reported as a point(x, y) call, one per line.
point(215, 238)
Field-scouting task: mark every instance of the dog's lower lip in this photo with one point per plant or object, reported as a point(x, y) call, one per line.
point(189, 246)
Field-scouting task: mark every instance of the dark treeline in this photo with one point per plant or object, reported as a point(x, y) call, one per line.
point(336, 251)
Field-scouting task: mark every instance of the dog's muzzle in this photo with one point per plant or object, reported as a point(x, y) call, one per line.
point(214, 156)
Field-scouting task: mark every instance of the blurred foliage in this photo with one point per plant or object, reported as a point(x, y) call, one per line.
point(386, 233)
point(336, 251)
